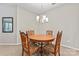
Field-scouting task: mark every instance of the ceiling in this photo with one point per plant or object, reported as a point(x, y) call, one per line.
point(38, 8)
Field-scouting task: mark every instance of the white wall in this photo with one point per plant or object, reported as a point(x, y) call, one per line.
point(25, 21)
point(65, 18)
point(8, 11)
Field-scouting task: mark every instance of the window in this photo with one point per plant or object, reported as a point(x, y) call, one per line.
point(7, 24)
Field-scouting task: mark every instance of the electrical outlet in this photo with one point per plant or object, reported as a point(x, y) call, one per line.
point(68, 41)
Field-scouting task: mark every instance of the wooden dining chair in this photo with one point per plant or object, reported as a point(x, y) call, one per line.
point(26, 47)
point(31, 32)
point(49, 32)
point(54, 49)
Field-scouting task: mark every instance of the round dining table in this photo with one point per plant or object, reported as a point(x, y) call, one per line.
point(41, 38)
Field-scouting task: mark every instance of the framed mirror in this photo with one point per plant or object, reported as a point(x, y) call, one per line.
point(7, 24)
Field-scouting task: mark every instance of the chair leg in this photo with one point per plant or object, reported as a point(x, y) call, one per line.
point(22, 52)
point(59, 52)
point(54, 54)
point(29, 54)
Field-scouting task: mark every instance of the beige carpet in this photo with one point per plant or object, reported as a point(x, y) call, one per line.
point(15, 50)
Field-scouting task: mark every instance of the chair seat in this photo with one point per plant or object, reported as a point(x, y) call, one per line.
point(33, 49)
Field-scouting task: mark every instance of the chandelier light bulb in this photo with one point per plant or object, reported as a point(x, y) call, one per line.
point(46, 19)
point(42, 20)
point(37, 18)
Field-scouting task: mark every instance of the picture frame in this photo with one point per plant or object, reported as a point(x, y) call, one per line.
point(7, 24)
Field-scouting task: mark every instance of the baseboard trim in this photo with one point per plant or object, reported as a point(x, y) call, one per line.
point(8, 44)
point(19, 43)
point(70, 47)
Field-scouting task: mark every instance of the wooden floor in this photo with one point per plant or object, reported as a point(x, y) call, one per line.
point(15, 50)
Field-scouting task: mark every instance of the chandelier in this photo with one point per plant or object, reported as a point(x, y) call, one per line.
point(42, 18)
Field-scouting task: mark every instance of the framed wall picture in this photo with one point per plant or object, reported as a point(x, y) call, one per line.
point(7, 24)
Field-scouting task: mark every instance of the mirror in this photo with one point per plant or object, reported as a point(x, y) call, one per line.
point(7, 24)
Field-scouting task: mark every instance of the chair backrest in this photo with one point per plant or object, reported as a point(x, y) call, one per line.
point(24, 39)
point(30, 32)
point(58, 41)
point(49, 32)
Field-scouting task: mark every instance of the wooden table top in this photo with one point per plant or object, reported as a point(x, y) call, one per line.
point(41, 37)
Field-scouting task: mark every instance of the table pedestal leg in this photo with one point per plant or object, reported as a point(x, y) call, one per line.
point(41, 49)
